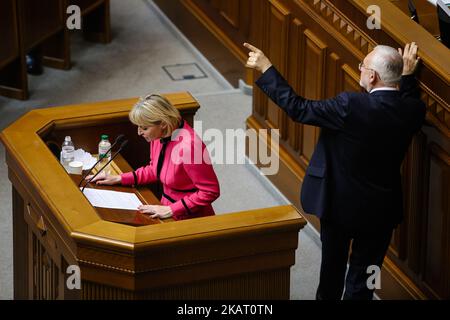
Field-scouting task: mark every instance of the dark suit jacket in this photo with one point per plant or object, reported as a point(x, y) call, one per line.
point(353, 177)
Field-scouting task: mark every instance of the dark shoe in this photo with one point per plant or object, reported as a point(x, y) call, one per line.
point(34, 65)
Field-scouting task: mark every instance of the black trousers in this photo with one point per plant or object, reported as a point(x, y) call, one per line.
point(368, 248)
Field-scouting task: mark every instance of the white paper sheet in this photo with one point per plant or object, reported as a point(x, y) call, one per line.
point(112, 199)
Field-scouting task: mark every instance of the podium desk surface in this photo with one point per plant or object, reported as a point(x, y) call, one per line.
point(126, 217)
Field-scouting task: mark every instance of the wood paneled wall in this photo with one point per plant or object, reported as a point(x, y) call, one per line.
point(317, 45)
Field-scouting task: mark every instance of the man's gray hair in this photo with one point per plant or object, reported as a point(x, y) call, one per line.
point(388, 63)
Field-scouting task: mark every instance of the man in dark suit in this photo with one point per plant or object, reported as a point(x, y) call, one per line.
point(353, 181)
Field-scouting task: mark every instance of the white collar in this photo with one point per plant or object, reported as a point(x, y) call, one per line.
point(383, 89)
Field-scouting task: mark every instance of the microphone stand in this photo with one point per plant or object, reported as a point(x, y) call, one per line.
point(109, 161)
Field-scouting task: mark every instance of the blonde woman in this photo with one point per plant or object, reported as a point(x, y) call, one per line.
point(189, 185)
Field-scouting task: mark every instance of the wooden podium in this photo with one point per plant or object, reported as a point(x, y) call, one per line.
point(244, 255)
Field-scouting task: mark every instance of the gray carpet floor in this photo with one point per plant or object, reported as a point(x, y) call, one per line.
point(143, 42)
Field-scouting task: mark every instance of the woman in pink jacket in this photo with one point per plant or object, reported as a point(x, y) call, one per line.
point(178, 159)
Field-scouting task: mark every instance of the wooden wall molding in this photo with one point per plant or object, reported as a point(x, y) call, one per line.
point(435, 267)
point(214, 29)
point(330, 16)
point(438, 110)
point(396, 285)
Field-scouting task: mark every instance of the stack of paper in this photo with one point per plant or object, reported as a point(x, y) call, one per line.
point(112, 199)
point(85, 157)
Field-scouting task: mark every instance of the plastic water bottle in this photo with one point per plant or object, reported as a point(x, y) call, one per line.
point(103, 152)
point(67, 152)
point(103, 147)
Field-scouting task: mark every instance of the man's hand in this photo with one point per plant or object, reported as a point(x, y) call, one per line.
point(410, 59)
point(105, 179)
point(161, 212)
point(257, 60)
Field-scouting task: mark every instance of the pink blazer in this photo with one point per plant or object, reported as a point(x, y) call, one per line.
point(189, 182)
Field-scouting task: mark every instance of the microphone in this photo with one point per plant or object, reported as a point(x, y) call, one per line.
point(106, 164)
point(118, 139)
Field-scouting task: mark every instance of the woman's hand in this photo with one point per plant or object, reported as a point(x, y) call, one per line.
point(105, 179)
point(410, 59)
point(257, 60)
point(161, 212)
